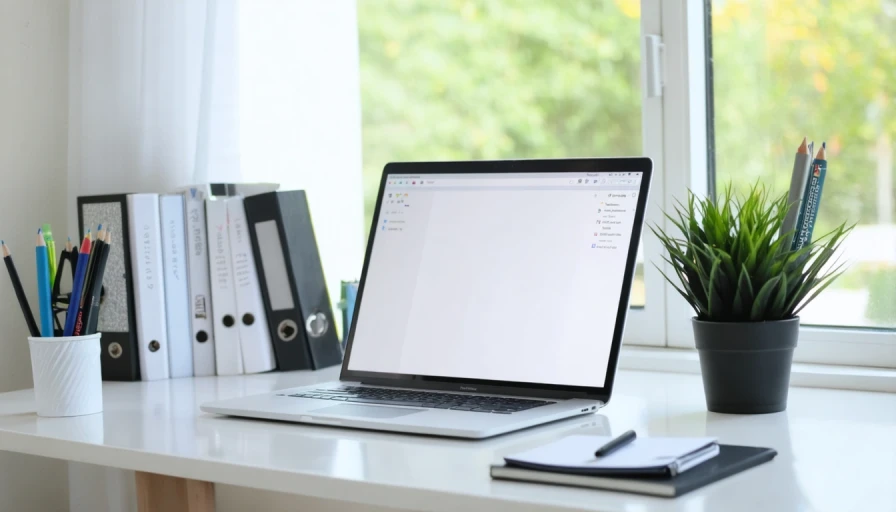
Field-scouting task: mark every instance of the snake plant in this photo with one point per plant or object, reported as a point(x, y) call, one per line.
point(730, 260)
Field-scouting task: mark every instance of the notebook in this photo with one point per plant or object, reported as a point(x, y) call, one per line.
point(658, 456)
point(730, 460)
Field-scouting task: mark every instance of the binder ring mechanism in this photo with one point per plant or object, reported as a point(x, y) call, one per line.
point(316, 324)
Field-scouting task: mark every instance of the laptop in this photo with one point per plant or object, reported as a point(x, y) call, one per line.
point(493, 298)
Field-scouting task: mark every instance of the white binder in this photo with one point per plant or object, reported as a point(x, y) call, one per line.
point(149, 285)
point(228, 354)
point(201, 320)
point(174, 263)
point(255, 338)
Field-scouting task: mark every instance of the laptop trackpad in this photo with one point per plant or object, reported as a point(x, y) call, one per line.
point(365, 411)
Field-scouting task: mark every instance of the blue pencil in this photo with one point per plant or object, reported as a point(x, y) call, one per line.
point(80, 274)
point(811, 201)
point(43, 286)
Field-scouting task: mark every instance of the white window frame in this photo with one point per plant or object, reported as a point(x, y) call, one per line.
point(684, 141)
point(673, 136)
point(647, 325)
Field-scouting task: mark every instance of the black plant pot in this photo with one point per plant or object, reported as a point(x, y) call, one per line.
point(746, 365)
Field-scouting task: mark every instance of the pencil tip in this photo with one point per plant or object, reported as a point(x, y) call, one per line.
point(39, 230)
point(824, 145)
point(99, 228)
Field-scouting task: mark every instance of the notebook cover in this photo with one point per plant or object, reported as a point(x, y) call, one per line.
point(116, 319)
point(731, 460)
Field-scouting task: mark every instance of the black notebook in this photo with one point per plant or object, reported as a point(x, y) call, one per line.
point(730, 461)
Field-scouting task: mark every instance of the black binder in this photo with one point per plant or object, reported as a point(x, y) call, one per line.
point(295, 295)
point(116, 320)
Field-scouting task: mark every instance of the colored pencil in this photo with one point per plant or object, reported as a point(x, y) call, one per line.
point(811, 200)
point(797, 186)
point(84, 305)
point(43, 286)
point(80, 274)
point(20, 292)
point(51, 250)
point(97, 289)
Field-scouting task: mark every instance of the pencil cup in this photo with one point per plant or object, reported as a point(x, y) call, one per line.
point(67, 375)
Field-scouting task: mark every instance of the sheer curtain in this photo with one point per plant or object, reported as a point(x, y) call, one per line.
point(164, 93)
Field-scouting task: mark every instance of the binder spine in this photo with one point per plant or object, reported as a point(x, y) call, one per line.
point(277, 283)
point(228, 353)
point(200, 306)
point(116, 315)
point(177, 311)
point(314, 299)
point(255, 339)
point(149, 287)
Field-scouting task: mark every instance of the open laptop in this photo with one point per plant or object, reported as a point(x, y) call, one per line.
point(493, 298)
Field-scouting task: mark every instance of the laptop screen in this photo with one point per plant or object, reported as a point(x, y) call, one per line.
point(497, 276)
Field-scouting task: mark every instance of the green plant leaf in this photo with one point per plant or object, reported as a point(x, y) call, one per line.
point(760, 305)
point(743, 297)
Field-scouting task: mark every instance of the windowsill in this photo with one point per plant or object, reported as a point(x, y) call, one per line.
point(802, 374)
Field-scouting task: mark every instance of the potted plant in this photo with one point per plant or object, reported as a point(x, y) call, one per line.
point(738, 272)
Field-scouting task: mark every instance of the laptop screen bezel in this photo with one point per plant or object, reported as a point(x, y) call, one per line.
point(577, 165)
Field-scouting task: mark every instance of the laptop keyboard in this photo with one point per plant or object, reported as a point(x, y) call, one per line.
point(424, 399)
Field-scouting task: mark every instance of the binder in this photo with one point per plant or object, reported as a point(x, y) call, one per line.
point(174, 263)
point(116, 319)
point(149, 285)
point(255, 339)
point(202, 334)
point(296, 300)
point(228, 354)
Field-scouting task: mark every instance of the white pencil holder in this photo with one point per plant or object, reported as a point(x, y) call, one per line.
point(68, 379)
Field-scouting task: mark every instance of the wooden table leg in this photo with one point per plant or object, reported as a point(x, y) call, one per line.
point(161, 493)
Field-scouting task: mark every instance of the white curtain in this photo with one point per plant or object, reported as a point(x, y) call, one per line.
point(164, 93)
point(153, 100)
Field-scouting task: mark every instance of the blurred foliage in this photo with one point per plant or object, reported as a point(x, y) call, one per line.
point(485, 79)
point(821, 68)
point(491, 79)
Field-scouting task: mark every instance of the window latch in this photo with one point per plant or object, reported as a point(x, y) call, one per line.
point(653, 59)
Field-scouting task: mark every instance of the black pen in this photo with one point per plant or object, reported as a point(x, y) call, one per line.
point(616, 444)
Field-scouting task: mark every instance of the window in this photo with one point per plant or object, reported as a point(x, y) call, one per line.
point(498, 79)
point(742, 82)
point(782, 69)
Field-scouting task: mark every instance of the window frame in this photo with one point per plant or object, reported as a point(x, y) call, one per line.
point(686, 161)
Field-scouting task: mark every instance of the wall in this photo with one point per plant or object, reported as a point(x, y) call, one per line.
point(33, 118)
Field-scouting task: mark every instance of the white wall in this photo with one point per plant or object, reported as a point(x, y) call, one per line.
point(33, 118)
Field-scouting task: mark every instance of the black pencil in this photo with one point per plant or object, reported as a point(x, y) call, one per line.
point(96, 290)
point(72, 256)
point(20, 293)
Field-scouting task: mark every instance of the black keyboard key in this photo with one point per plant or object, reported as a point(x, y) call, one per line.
point(461, 408)
point(483, 409)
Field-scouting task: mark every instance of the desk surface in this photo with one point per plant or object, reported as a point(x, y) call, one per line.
point(837, 449)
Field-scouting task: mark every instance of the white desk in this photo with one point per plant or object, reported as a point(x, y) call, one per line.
point(837, 449)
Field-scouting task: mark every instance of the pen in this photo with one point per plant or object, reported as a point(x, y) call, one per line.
point(20, 292)
point(616, 444)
